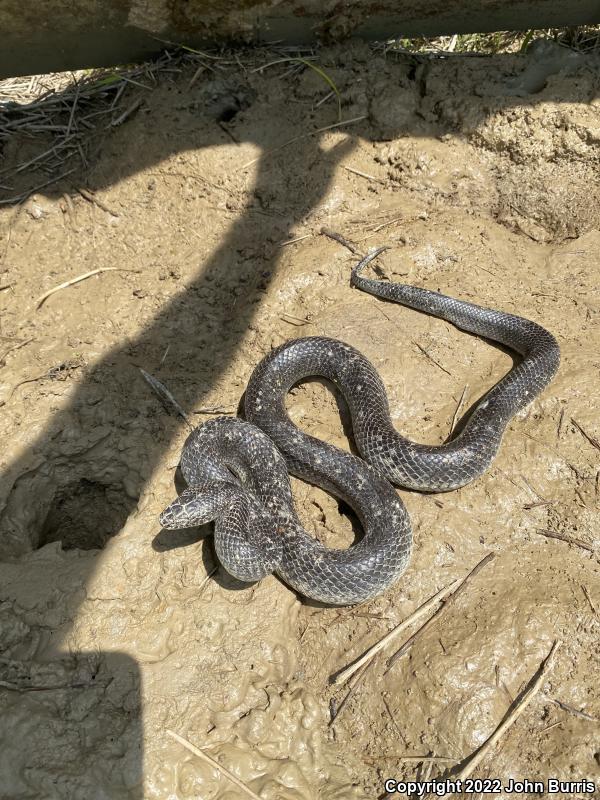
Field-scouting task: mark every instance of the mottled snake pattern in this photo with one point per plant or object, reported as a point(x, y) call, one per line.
point(237, 472)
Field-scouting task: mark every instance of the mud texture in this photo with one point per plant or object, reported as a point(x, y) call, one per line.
point(112, 632)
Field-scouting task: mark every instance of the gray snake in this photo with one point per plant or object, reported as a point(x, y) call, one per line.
point(237, 472)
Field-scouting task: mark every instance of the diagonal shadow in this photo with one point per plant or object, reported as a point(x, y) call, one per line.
point(82, 475)
point(92, 460)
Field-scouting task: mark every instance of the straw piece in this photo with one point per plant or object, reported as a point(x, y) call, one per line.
point(209, 760)
point(372, 651)
point(474, 760)
point(42, 299)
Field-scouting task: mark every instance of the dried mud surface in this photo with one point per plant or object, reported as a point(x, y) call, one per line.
point(112, 632)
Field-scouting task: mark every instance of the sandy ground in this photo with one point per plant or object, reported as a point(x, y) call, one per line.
point(112, 632)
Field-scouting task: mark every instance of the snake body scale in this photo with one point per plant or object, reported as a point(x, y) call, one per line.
point(237, 471)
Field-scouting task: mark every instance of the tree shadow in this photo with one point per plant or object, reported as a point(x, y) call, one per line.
point(97, 453)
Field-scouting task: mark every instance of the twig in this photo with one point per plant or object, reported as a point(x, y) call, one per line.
point(343, 676)
point(574, 711)
point(127, 113)
point(337, 237)
point(164, 355)
point(13, 348)
point(324, 99)
point(458, 408)
point(42, 299)
point(594, 442)
point(196, 75)
point(52, 150)
point(549, 727)
point(164, 395)
point(377, 226)
point(564, 538)
point(297, 239)
point(91, 198)
point(451, 599)
point(533, 491)
point(24, 195)
point(204, 583)
point(530, 506)
point(390, 715)
point(561, 416)
point(364, 175)
point(431, 358)
point(213, 762)
point(477, 757)
point(72, 114)
point(292, 320)
point(359, 679)
point(303, 136)
point(50, 374)
point(589, 599)
point(417, 759)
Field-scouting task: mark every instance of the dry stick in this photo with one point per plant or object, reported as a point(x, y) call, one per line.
point(127, 113)
point(475, 759)
point(46, 375)
point(391, 716)
point(431, 358)
point(560, 422)
point(359, 679)
point(380, 225)
point(303, 136)
point(589, 599)
point(13, 348)
point(91, 198)
point(451, 599)
point(72, 114)
point(372, 651)
point(204, 583)
point(564, 538)
point(364, 175)
point(458, 408)
point(574, 711)
point(424, 759)
point(164, 395)
point(549, 727)
point(298, 322)
point(324, 99)
point(42, 299)
point(594, 442)
point(162, 361)
point(213, 762)
point(297, 239)
point(337, 237)
point(530, 506)
point(534, 491)
point(24, 195)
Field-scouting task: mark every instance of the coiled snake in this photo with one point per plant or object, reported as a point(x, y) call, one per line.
point(237, 472)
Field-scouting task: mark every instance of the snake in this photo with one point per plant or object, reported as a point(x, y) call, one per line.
point(238, 471)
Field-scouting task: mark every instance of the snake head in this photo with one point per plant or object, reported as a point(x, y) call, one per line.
point(195, 506)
